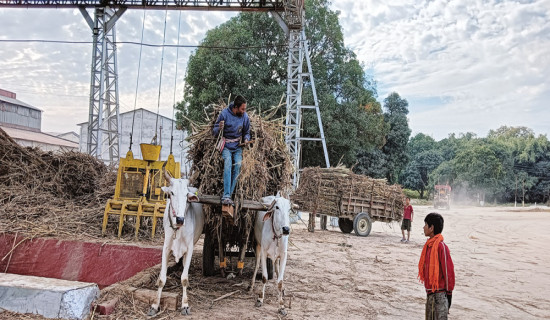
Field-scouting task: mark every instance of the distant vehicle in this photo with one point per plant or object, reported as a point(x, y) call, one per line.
point(442, 196)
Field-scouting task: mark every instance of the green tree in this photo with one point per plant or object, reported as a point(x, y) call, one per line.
point(352, 118)
point(256, 71)
point(527, 160)
point(420, 143)
point(371, 163)
point(478, 168)
point(395, 149)
point(443, 174)
point(417, 172)
point(425, 157)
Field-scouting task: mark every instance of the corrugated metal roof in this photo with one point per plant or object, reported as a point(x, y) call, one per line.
point(38, 137)
point(18, 102)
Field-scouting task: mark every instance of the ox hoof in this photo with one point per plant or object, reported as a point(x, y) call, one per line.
point(186, 311)
point(282, 312)
point(152, 312)
point(259, 303)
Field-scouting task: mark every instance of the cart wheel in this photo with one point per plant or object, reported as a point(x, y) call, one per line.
point(345, 225)
point(269, 264)
point(362, 224)
point(208, 254)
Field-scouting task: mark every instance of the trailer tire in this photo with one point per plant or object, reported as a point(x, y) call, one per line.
point(345, 225)
point(362, 224)
point(208, 254)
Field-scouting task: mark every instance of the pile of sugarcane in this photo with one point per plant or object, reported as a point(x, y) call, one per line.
point(51, 194)
point(266, 167)
point(329, 190)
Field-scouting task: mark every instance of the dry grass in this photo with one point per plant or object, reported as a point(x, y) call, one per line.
point(51, 194)
point(266, 167)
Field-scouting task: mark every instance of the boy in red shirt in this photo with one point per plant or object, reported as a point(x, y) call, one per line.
point(408, 214)
point(436, 269)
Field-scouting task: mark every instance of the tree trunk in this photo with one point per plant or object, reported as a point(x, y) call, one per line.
point(422, 193)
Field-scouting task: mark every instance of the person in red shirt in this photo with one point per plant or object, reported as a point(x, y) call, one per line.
point(436, 269)
point(408, 214)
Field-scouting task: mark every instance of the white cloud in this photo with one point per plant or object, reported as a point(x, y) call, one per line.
point(56, 77)
point(464, 66)
point(487, 61)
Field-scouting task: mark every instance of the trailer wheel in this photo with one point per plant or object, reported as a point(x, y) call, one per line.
point(362, 224)
point(208, 254)
point(345, 225)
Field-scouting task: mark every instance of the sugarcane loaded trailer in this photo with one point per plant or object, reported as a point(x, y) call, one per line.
point(355, 200)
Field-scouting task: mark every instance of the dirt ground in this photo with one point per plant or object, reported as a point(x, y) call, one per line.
point(501, 262)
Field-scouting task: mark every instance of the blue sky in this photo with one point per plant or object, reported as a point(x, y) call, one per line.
point(464, 66)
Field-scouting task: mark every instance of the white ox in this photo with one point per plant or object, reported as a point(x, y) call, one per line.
point(183, 223)
point(271, 231)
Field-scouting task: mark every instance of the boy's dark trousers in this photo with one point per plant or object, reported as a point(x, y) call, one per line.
point(437, 306)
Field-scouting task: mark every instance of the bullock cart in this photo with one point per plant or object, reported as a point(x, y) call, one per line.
point(356, 200)
point(229, 235)
point(266, 169)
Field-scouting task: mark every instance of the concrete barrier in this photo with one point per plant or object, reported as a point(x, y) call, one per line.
point(95, 262)
point(51, 298)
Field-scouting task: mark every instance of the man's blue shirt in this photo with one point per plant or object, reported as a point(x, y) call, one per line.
point(234, 127)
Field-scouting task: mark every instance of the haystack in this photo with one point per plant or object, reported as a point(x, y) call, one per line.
point(51, 194)
point(266, 166)
point(327, 190)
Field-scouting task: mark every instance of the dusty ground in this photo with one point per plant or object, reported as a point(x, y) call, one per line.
point(501, 264)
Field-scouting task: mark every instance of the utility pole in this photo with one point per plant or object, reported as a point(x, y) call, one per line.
point(523, 198)
point(516, 193)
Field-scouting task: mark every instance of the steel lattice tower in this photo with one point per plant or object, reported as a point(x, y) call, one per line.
point(103, 130)
point(297, 51)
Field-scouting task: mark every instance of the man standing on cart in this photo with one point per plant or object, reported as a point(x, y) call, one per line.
point(232, 127)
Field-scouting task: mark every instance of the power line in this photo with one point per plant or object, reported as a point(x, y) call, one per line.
point(147, 44)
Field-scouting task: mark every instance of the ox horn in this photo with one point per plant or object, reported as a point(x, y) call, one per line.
point(272, 205)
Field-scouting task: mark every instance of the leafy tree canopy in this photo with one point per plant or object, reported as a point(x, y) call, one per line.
point(352, 118)
point(395, 149)
point(509, 164)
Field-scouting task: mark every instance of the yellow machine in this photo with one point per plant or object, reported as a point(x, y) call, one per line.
point(138, 190)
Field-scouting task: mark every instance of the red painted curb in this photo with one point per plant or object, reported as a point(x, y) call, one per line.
point(100, 263)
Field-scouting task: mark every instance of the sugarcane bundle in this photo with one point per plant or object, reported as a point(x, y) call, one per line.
point(51, 194)
point(332, 191)
point(266, 166)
